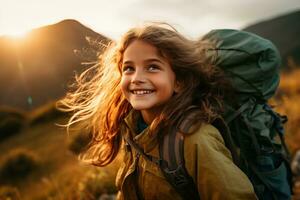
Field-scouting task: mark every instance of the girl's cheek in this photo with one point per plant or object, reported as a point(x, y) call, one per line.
point(123, 85)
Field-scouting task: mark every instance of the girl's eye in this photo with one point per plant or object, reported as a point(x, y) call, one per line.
point(153, 68)
point(127, 69)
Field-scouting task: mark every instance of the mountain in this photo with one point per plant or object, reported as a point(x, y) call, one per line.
point(38, 68)
point(284, 32)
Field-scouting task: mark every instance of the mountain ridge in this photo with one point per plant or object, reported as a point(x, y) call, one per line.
point(284, 32)
point(38, 68)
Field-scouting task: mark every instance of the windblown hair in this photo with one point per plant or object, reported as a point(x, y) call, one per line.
point(99, 102)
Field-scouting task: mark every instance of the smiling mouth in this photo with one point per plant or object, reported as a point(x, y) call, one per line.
point(141, 92)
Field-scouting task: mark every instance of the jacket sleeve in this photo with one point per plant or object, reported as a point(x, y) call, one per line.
point(210, 164)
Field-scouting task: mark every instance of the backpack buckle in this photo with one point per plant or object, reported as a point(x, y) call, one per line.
point(178, 177)
point(266, 150)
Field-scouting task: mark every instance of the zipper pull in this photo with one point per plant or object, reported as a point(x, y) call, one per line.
point(137, 155)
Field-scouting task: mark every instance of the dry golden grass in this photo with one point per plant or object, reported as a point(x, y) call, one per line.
point(61, 175)
point(287, 102)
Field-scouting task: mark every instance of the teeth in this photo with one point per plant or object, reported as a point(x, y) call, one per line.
point(141, 92)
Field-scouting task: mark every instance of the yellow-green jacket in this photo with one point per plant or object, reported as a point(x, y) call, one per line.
point(207, 160)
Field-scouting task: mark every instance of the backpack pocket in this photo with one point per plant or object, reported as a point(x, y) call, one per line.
point(271, 174)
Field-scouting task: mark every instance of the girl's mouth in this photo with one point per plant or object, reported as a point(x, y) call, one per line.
point(141, 92)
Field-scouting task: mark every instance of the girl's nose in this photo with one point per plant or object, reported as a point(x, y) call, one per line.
point(138, 77)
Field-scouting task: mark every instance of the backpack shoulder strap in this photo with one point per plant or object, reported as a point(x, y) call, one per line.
point(171, 151)
point(140, 151)
point(224, 130)
point(172, 155)
point(171, 162)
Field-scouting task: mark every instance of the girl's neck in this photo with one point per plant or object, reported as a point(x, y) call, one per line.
point(148, 117)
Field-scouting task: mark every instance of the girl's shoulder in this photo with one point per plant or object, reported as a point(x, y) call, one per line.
point(204, 134)
point(205, 151)
point(199, 132)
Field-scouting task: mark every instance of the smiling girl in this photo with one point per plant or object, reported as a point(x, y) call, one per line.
point(148, 81)
point(145, 85)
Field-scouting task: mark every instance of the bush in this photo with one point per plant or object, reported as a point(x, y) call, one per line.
point(10, 126)
point(45, 113)
point(9, 193)
point(79, 142)
point(17, 165)
point(6, 111)
point(97, 183)
point(11, 121)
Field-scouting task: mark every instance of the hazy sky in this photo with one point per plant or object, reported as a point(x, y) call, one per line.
point(113, 17)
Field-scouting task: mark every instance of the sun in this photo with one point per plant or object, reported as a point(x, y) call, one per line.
point(17, 34)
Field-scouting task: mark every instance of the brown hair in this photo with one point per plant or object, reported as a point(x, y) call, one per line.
point(99, 100)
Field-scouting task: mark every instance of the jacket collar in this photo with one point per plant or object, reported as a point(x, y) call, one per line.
point(145, 139)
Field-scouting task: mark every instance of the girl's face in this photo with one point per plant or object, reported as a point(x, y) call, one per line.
point(148, 80)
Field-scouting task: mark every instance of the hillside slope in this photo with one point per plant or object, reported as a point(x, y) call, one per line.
point(37, 69)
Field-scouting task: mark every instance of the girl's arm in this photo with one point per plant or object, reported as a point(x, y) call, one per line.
point(210, 163)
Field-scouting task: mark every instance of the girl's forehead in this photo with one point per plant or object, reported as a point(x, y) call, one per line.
point(139, 48)
point(141, 44)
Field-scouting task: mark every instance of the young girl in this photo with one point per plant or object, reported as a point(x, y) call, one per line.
point(144, 85)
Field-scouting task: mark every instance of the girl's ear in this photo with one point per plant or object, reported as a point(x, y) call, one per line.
point(177, 87)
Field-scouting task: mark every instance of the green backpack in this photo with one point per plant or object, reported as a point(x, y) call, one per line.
point(251, 129)
point(252, 63)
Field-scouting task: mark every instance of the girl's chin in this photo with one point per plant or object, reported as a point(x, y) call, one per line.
point(141, 105)
point(140, 108)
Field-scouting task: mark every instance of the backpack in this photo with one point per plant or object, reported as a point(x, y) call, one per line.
point(251, 129)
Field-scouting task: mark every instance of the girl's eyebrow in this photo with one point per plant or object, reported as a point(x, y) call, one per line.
point(154, 60)
point(146, 61)
point(127, 62)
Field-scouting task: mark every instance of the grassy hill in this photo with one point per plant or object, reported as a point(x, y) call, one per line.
point(287, 102)
point(59, 174)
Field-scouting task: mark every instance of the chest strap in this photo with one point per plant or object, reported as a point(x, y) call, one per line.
point(171, 150)
point(140, 151)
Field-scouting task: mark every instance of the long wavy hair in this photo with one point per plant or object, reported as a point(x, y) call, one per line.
point(99, 103)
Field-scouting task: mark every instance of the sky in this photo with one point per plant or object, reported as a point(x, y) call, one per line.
point(113, 17)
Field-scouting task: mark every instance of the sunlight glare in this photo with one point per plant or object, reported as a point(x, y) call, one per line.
point(18, 34)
